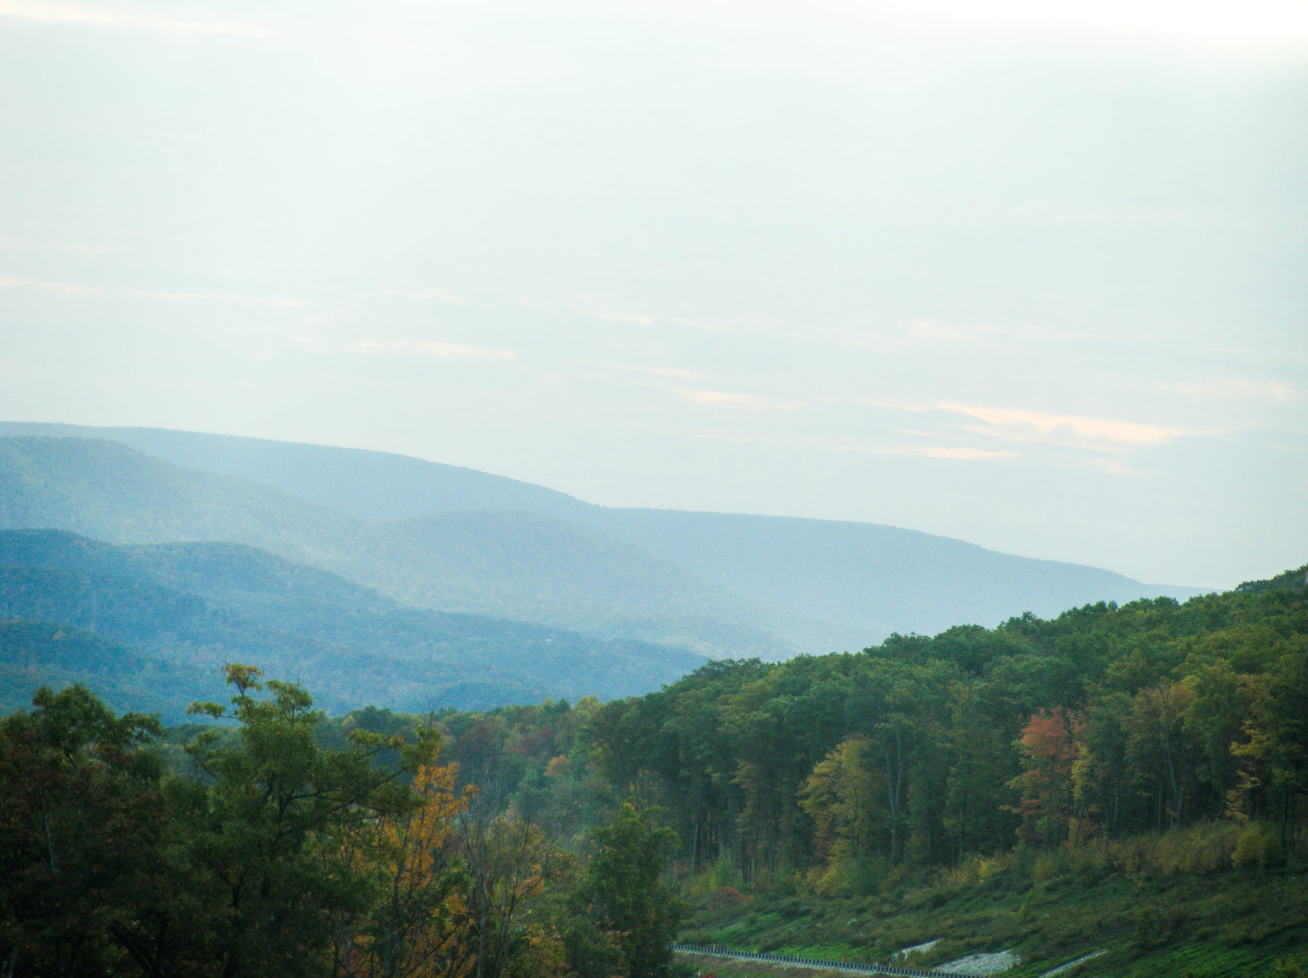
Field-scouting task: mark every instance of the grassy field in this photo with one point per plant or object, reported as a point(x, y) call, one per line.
point(1234, 923)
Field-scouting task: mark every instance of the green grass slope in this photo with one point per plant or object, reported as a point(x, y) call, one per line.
point(1230, 924)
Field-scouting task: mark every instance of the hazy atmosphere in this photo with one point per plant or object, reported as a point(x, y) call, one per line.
point(1030, 279)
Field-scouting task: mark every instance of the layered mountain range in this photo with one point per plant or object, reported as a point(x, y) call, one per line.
point(382, 578)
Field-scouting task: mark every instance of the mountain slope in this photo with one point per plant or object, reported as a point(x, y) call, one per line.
point(723, 583)
point(42, 653)
point(881, 578)
point(359, 483)
point(521, 566)
point(350, 645)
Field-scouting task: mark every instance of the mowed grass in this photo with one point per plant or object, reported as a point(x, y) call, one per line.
point(1234, 923)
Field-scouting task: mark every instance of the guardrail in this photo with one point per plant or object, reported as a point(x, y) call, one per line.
point(862, 967)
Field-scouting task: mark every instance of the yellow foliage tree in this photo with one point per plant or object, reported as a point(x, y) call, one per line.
point(418, 923)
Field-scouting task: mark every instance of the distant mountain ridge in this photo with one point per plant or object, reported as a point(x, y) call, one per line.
point(882, 578)
point(725, 584)
point(354, 481)
point(511, 565)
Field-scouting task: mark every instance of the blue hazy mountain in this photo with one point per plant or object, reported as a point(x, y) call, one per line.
point(161, 620)
point(513, 565)
point(450, 538)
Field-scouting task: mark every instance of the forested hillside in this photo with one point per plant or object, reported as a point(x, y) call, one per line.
point(1158, 746)
point(1097, 725)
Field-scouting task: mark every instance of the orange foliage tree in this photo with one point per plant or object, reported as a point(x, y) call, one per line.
point(1050, 746)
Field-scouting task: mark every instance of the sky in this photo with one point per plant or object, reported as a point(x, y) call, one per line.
point(1026, 273)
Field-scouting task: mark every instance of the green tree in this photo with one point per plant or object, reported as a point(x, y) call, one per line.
point(630, 913)
point(81, 822)
point(264, 836)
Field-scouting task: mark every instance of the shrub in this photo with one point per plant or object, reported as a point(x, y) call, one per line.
point(1044, 868)
point(1202, 848)
point(1257, 846)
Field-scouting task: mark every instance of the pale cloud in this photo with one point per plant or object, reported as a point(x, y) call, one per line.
point(254, 300)
point(433, 349)
point(706, 398)
point(1018, 425)
point(127, 19)
point(1234, 388)
point(956, 453)
point(877, 403)
point(620, 317)
point(58, 288)
point(152, 295)
point(673, 373)
point(1047, 427)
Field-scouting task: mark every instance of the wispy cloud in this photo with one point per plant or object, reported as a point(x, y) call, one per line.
point(121, 18)
point(275, 302)
point(1027, 426)
point(622, 317)
point(432, 349)
point(1019, 425)
point(672, 373)
point(1234, 388)
point(152, 295)
point(57, 288)
point(729, 399)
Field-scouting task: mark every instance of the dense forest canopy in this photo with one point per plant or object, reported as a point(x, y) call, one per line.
point(1102, 723)
point(281, 848)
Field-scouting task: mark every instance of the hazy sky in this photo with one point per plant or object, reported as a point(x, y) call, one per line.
point(1028, 273)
